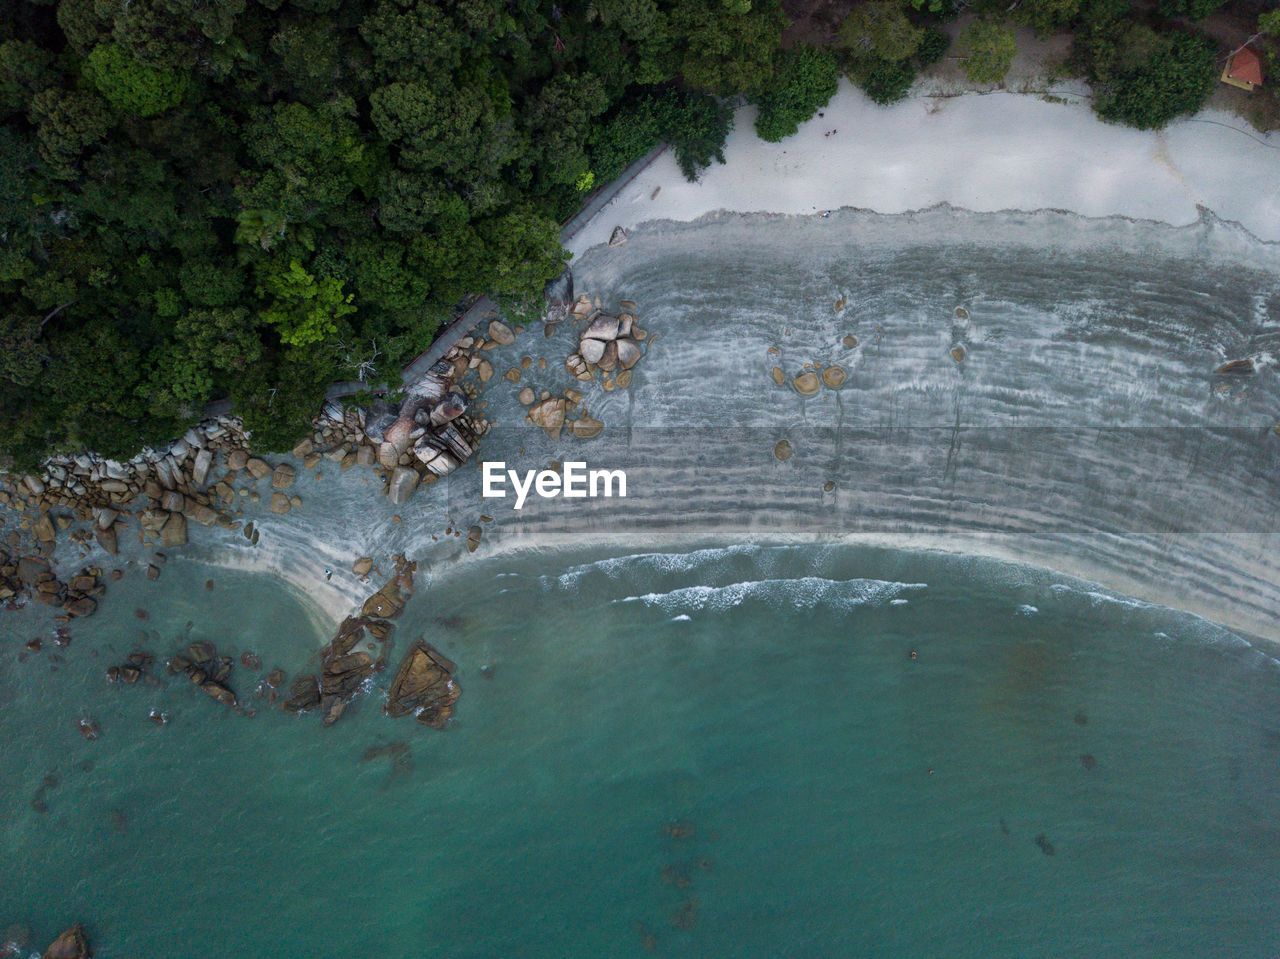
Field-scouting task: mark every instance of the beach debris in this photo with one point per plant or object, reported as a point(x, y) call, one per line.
point(782, 450)
point(677, 874)
point(89, 728)
point(618, 236)
point(1046, 847)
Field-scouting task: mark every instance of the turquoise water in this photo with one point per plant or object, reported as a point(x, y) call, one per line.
point(832, 794)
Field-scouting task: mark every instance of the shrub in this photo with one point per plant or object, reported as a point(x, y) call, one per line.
point(806, 81)
point(884, 81)
point(991, 50)
point(933, 47)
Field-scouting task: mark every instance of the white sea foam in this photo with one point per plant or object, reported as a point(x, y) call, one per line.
point(807, 592)
point(1027, 609)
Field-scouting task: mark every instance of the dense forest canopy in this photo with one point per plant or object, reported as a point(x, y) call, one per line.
point(253, 198)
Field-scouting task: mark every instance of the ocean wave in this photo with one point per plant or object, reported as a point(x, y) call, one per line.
point(806, 592)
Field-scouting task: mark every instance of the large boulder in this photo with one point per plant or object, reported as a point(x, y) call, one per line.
point(628, 352)
point(70, 945)
point(807, 383)
point(403, 482)
point(499, 332)
point(592, 350)
point(386, 603)
point(424, 684)
point(603, 327)
point(283, 476)
point(174, 531)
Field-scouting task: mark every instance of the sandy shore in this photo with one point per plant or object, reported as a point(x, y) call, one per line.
point(998, 151)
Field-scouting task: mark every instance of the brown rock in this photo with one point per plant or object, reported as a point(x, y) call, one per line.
point(782, 450)
point(257, 468)
point(603, 327)
point(44, 530)
point(628, 352)
point(833, 377)
point(174, 531)
point(779, 377)
point(237, 460)
point(362, 566)
point(283, 476)
point(424, 683)
point(279, 503)
point(485, 371)
point(106, 539)
point(473, 538)
point(586, 428)
point(386, 603)
point(807, 383)
point(957, 353)
point(592, 350)
point(70, 945)
point(512, 375)
point(527, 396)
point(501, 333)
point(850, 341)
point(609, 361)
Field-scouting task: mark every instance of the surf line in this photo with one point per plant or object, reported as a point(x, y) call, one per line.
point(577, 482)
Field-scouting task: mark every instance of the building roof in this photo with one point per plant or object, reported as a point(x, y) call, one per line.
point(1246, 65)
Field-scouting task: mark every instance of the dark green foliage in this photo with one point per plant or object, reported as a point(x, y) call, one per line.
point(1171, 76)
point(696, 125)
point(252, 199)
point(1190, 9)
point(884, 81)
point(805, 81)
point(933, 47)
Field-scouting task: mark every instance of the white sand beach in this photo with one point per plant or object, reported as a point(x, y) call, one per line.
point(980, 152)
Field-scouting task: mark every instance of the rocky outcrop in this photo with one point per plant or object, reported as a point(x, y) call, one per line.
point(206, 669)
point(424, 685)
point(72, 944)
point(609, 344)
point(343, 668)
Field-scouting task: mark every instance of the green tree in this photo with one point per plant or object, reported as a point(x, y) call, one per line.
point(805, 82)
point(1172, 76)
point(129, 86)
point(1190, 9)
point(991, 51)
point(303, 308)
point(880, 30)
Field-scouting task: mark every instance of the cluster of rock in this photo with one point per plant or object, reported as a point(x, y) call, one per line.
point(132, 669)
point(423, 684)
point(554, 413)
point(609, 345)
point(431, 436)
point(207, 670)
point(22, 578)
point(814, 376)
point(165, 483)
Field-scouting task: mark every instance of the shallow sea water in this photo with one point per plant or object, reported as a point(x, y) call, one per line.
point(857, 749)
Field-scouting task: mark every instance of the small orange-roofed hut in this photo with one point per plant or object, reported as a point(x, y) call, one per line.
point(1243, 69)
